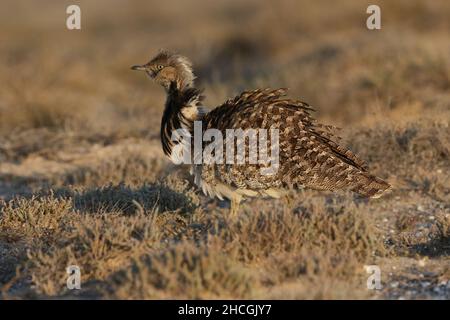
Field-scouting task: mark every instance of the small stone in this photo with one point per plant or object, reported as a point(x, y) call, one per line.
point(394, 284)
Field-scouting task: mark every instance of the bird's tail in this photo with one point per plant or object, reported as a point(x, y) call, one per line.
point(370, 186)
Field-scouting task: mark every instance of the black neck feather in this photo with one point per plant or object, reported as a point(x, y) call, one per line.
point(173, 118)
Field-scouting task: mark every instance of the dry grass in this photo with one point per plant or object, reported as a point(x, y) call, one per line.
point(143, 253)
point(83, 180)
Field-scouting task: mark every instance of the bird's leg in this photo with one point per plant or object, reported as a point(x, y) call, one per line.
point(235, 201)
point(288, 201)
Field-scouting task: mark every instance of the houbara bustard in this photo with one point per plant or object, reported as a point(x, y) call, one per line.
point(308, 154)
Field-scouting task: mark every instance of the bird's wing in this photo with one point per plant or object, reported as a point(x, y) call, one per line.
point(308, 151)
point(263, 108)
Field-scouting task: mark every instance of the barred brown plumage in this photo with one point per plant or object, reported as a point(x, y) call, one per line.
point(309, 155)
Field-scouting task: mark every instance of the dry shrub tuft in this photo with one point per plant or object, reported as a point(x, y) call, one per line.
point(400, 148)
point(126, 199)
point(318, 225)
point(99, 245)
point(33, 219)
point(184, 271)
point(132, 168)
point(431, 240)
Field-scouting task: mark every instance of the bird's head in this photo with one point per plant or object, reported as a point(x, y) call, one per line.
point(168, 68)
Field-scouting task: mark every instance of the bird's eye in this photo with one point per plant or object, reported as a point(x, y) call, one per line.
point(160, 67)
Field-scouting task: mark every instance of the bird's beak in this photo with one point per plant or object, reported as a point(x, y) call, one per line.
point(139, 68)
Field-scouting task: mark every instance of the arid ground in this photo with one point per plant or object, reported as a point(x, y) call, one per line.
point(83, 180)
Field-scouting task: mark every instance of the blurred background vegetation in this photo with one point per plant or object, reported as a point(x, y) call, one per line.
point(322, 51)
